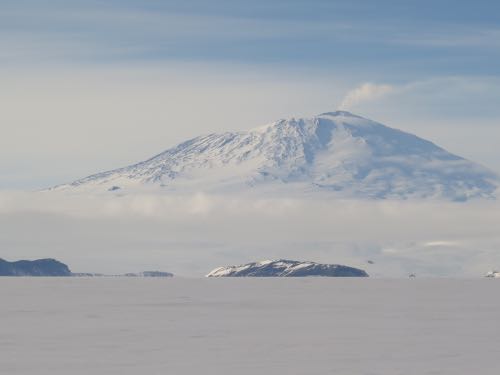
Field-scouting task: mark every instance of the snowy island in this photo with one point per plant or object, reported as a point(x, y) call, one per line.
point(287, 268)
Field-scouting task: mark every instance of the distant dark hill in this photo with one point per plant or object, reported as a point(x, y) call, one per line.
point(39, 267)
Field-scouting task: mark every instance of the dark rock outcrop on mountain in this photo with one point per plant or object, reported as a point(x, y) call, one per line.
point(39, 267)
point(287, 268)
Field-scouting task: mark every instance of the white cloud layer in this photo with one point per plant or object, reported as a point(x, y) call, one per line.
point(190, 235)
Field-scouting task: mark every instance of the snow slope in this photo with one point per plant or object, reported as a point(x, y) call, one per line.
point(337, 153)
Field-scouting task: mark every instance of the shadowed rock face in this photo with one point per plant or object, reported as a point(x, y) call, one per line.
point(39, 267)
point(287, 268)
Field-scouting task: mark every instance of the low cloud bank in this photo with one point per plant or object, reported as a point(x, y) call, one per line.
point(189, 235)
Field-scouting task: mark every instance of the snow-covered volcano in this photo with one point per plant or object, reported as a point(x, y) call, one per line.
point(337, 153)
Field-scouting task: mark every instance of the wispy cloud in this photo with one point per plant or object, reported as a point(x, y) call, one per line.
point(440, 243)
point(103, 34)
point(365, 93)
point(131, 30)
point(453, 37)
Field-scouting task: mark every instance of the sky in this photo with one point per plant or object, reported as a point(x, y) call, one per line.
point(88, 86)
point(93, 85)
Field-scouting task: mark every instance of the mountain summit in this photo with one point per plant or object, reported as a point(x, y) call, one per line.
point(336, 153)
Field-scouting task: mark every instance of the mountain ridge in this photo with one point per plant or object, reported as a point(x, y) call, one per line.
point(338, 153)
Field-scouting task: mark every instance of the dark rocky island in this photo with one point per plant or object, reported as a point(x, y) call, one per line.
point(287, 268)
point(39, 267)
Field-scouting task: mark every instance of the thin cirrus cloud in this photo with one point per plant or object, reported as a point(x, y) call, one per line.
point(340, 36)
point(477, 37)
point(121, 33)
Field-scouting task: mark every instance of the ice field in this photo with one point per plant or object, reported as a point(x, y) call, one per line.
point(249, 326)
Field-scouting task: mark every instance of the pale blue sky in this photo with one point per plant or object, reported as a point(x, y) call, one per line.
point(92, 85)
point(395, 40)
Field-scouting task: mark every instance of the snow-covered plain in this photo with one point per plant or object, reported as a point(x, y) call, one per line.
point(309, 326)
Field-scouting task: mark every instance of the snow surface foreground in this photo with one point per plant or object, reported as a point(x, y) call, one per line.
point(336, 153)
point(249, 326)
